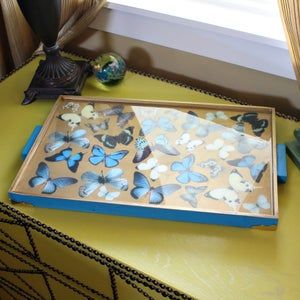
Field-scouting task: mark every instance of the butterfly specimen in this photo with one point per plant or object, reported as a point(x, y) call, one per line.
point(144, 148)
point(117, 110)
point(230, 194)
point(152, 164)
point(213, 166)
point(104, 193)
point(202, 127)
point(261, 203)
point(185, 173)
point(50, 185)
point(258, 125)
point(216, 115)
point(110, 141)
point(244, 144)
point(73, 106)
point(191, 194)
point(88, 112)
point(156, 194)
point(73, 119)
point(58, 139)
point(219, 144)
point(148, 125)
point(66, 155)
point(110, 160)
point(92, 181)
point(191, 145)
point(96, 127)
point(248, 161)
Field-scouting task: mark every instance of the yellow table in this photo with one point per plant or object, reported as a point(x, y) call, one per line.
point(129, 258)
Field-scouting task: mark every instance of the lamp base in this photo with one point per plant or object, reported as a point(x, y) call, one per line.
point(43, 87)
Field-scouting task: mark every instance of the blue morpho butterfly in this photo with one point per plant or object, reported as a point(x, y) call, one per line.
point(148, 125)
point(93, 180)
point(66, 155)
point(144, 148)
point(117, 110)
point(110, 160)
point(156, 194)
point(247, 161)
point(43, 177)
point(58, 139)
point(185, 173)
point(258, 125)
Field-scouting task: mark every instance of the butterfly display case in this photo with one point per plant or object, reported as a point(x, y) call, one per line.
point(177, 161)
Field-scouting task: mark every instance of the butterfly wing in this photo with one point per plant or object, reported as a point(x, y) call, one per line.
point(258, 170)
point(56, 140)
point(124, 118)
point(115, 110)
point(155, 172)
point(142, 154)
point(184, 139)
point(62, 155)
point(91, 182)
point(73, 162)
point(263, 202)
point(150, 164)
point(73, 120)
point(142, 186)
point(251, 207)
point(148, 125)
point(114, 179)
point(191, 199)
point(98, 155)
point(42, 173)
point(165, 124)
point(166, 149)
point(113, 159)
point(62, 182)
point(125, 137)
point(157, 194)
point(245, 162)
point(79, 139)
point(196, 177)
point(89, 112)
point(238, 183)
point(224, 151)
point(259, 127)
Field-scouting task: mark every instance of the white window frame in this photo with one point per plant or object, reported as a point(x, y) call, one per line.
point(247, 33)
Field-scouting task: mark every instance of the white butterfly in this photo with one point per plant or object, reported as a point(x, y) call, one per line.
point(261, 203)
point(156, 169)
point(244, 144)
point(216, 115)
point(73, 106)
point(191, 145)
point(230, 195)
point(89, 112)
point(73, 120)
point(219, 145)
point(103, 192)
point(213, 166)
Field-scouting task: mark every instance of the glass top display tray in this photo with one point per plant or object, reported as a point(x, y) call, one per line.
point(156, 159)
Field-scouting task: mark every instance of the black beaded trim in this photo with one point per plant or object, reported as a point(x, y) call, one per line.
point(8, 292)
point(39, 271)
point(91, 253)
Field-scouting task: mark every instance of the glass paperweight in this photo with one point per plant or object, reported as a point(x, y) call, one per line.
point(109, 68)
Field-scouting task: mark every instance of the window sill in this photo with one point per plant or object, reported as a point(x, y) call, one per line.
point(250, 36)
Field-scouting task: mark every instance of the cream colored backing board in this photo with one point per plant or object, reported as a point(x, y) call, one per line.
point(207, 163)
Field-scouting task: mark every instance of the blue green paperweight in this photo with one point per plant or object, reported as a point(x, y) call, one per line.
point(109, 68)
